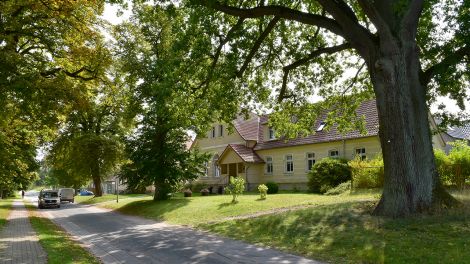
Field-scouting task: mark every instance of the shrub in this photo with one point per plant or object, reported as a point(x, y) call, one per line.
point(328, 173)
point(236, 187)
point(444, 167)
point(198, 186)
point(188, 193)
point(263, 190)
point(205, 192)
point(272, 187)
point(340, 189)
point(459, 156)
point(367, 173)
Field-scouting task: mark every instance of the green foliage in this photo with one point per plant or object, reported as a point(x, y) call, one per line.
point(272, 187)
point(161, 69)
point(46, 52)
point(328, 173)
point(454, 168)
point(263, 191)
point(235, 188)
point(339, 189)
point(444, 167)
point(197, 186)
point(367, 173)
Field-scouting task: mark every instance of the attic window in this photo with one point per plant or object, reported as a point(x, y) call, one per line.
point(321, 126)
point(271, 133)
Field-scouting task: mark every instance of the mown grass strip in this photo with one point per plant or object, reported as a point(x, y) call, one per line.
point(347, 233)
point(5, 208)
point(59, 246)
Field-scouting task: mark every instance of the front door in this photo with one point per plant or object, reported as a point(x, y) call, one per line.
point(232, 169)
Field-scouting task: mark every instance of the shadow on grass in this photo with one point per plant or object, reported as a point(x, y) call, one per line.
point(346, 233)
point(153, 209)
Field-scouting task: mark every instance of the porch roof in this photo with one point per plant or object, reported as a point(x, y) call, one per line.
point(246, 154)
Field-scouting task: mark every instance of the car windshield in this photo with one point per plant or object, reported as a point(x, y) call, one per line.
point(49, 195)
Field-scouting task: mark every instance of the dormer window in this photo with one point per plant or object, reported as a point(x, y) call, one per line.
point(221, 130)
point(321, 126)
point(271, 133)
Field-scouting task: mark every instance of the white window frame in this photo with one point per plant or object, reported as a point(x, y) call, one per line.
point(221, 130)
point(206, 169)
point(269, 164)
point(363, 155)
point(321, 126)
point(333, 157)
point(307, 159)
point(271, 133)
point(286, 162)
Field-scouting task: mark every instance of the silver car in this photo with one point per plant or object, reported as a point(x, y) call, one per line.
point(48, 198)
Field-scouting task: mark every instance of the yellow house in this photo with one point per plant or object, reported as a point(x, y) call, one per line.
point(253, 151)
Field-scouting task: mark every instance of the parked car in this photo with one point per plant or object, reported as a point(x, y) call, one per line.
point(67, 195)
point(48, 198)
point(86, 193)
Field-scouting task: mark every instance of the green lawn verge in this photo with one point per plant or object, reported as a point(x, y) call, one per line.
point(60, 248)
point(203, 209)
point(106, 198)
point(5, 207)
point(346, 233)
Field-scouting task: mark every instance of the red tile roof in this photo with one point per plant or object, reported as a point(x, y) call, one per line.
point(245, 153)
point(367, 109)
point(248, 129)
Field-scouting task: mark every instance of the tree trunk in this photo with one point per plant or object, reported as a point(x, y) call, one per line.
point(412, 182)
point(96, 176)
point(161, 191)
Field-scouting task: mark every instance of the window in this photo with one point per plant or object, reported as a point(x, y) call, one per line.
point(321, 126)
point(269, 165)
point(221, 130)
point(213, 132)
point(333, 153)
point(206, 169)
point(271, 133)
point(241, 167)
point(289, 163)
point(361, 152)
point(310, 160)
point(216, 168)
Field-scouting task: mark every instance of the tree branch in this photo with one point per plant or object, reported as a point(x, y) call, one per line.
point(279, 11)
point(257, 45)
point(451, 60)
point(306, 60)
point(228, 37)
point(411, 18)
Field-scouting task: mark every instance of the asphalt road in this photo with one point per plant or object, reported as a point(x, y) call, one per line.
point(117, 238)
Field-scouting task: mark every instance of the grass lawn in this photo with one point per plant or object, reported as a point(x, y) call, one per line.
point(346, 233)
point(60, 248)
point(5, 206)
point(203, 209)
point(105, 198)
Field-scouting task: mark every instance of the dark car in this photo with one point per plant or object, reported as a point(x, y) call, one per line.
point(86, 193)
point(48, 198)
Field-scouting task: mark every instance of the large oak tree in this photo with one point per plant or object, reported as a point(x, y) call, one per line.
point(413, 50)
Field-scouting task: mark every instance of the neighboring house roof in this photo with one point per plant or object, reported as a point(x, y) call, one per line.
point(367, 109)
point(245, 153)
point(462, 132)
